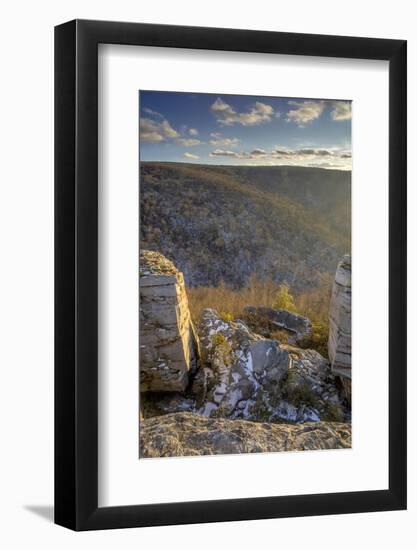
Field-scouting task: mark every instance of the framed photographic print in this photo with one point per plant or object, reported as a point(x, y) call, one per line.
point(230, 275)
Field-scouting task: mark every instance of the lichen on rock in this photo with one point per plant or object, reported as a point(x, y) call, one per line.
point(243, 365)
point(187, 434)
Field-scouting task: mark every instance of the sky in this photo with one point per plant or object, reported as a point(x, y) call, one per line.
point(244, 130)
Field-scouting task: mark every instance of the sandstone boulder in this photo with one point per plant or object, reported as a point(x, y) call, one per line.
point(168, 343)
point(340, 320)
point(187, 434)
point(268, 319)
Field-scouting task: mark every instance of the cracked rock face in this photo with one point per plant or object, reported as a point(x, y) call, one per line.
point(340, 317)
point(187, 434)
point(242, 367)
point(168, 344)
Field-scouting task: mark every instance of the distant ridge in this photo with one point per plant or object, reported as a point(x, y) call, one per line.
point(209, 165)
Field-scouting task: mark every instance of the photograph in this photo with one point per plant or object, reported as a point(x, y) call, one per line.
point(244, 274)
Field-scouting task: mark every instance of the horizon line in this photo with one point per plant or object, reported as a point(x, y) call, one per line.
point(247, 165)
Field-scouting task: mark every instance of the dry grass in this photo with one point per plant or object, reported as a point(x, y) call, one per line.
point(225, 300)
point(230, 303)
point(314, 303)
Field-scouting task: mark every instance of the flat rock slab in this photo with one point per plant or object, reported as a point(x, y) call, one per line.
point(188, 434)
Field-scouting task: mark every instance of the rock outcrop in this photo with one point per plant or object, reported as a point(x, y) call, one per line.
point(340, 321)
point(310, 391)
point(186, 434)
point(234, 388)
point(297, 326)
point(168, 343)
point(241, 368)
point(250, 377)
point(245, 376)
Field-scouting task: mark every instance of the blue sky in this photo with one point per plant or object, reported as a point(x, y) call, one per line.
point(244, 130)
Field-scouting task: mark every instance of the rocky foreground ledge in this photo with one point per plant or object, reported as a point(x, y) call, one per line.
point(187, 434)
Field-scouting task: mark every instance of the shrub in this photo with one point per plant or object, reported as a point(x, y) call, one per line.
point(302, 394)
point(257, 323)
point(260, 411)
point(226, 316)
point(318, 339)
point(218, 340)
point(221, 352)
point(332, 412)
point(283, 299)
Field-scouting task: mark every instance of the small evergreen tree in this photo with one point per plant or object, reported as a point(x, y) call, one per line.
point(283, 299)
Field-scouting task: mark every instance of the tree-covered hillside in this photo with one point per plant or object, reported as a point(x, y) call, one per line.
point(219, 223)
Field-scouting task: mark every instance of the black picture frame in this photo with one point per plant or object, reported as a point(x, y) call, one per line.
point(76, 272)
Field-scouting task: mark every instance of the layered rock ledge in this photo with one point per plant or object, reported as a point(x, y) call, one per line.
point(168, 344)
point(340, 321)
point(187, 434)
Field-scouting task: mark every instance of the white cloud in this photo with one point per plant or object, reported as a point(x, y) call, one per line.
point(191, 156)
point(226, 115)
point(319, 157)
point(168, 130)
point(219, 105)
point(223, 153)
point(188, 142)
point(157, 129)
point(155, 132)
point(150, 131)
point(220, 141)
point(152, 112)
point(342, 110)
point(304, 112)
point(258, 153)
point(316, 152)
